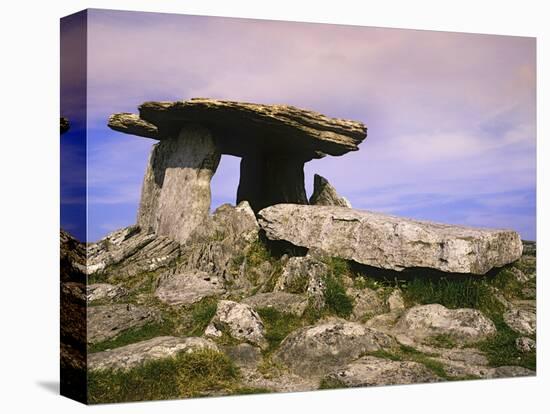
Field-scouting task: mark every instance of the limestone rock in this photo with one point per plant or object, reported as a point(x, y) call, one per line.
point(244, 355)
point(521, 320)
point(511, 371)
point(370, 370)
point(238, 320)
point(366, 303)
point(524, 344)
point(72, 258)
point(241, 126)
point(322, 348)
point(390, 242)
point(280, 301)
point(105, 291)
point(175, 196)
point(463, 325)
point(188, 287)
point(396, 301)
point(217, 246)
point(304, 275)
point(132, 251)
point(129, 356)
point(108, 321)
point(324, 194)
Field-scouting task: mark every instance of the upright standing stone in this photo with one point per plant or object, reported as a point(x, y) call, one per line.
point(176, 189)
point(324, 194)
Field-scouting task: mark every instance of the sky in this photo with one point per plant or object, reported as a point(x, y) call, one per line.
point(450, 116)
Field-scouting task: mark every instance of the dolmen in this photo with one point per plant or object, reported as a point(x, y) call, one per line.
point(274, 142)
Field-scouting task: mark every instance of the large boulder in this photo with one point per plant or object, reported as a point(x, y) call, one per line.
point(390, 242)
point(463, 325)
point(129, 356)
point(370, 370)
point(324, 194)
point(108, 321)
point(188, 287)
point(322, 348)
point(130, 251)
point(239, 321)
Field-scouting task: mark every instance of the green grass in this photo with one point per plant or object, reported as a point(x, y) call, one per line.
point(277, 325)
point(201, 314)
point(331, 384)
point(185, 375)
point(500, 349)
point(336, 299)
point(442, 341)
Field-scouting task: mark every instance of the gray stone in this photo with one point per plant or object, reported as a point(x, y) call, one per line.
point(366, 303)
point(188, 287)
point(130, 251)
point(280, 301)
point(304, 275)
point(521, 320)
point(105, 291)
point(371, 371)
point(322, 348)
point(511, 371)
point(109, 321)
point(463, 325)
point(324, 194)
point(244, 355)
point(175, 197)
point(390, 242)
point(132, 355)
point(524, 344)
point(239, 321)
point(396, 301)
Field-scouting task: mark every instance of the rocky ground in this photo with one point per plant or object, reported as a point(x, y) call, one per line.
point(233, 313)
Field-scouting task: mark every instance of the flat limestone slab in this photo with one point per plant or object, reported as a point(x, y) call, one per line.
point(390, 242)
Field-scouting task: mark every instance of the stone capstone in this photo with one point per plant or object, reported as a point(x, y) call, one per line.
point(108, 321)
point(390, 242)
point(324, 194)
point(188, 287)
point(238, 320)
point(132, 355)
point(322, 348)
point(371, 371)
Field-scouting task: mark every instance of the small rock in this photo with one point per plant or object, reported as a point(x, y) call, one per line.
point(463, 325)
point(188, 287)
point(369, 370)
point(108, 321)
point(322, 348)
point(521, 320)
point(396, 301)
point(132, 355)
point(524, 344)
point(365, 303)
point(244, 355)
point(324, 194)
point(280, 301)
point(240, 321)
point(304, 275)
point(105, 291)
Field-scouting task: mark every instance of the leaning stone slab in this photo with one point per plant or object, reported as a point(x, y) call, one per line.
point(129, 356)
point(322, 348)
point(390, 242)
point(324, 194)
point(372, 371)
point(108, 321)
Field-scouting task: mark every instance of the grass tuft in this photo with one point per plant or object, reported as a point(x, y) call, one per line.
point(277, 325)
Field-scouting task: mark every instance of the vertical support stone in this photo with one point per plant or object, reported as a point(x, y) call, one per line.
point(176, 194)
point(268, 179)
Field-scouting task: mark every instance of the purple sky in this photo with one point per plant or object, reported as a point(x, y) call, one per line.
point(451, 116)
